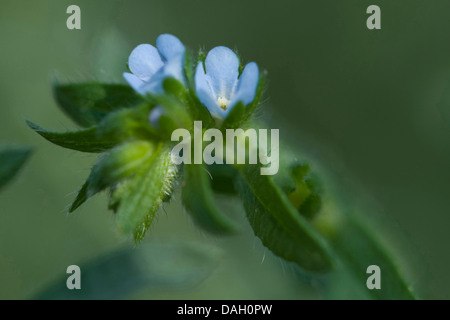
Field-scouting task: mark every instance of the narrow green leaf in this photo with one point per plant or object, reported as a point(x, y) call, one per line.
point(81, 198)
point(198, 199)
point(151, 268)
point(85, 140)
point(12, 158)
point(278, 224)
point(145, 193)
point(88, 103)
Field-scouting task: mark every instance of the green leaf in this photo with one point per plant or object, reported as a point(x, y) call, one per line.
point(145, 193)
point(85, 140)
point(81, 198)
point(151, 268)
point(359, 248)
point(198, 199)
point(278, 224)
point(12, 158)
point(119, 164)
point(223, 177)
point(88, 103)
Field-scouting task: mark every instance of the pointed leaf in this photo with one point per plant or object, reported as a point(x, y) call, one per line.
point(88, 103)
point(12, 158)
point(119, 164)
point(85, 140)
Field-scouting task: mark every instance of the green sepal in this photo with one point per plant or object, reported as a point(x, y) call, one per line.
point(235, 118)
point(307, 194)
point(196, 109)
point(175, 88)
point(277, 223)
point(85, 140)
point(128, 124)
point(198, 199)
point(143, 195)
point(88, 103)
point(12, 158)
point(119, 164)
point(173, 117)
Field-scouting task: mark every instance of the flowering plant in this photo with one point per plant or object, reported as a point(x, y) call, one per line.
point(171, 88)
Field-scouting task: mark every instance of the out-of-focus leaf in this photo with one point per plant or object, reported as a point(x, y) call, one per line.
point(158, 266)
point(88, 103)
point(359, 249)
point(12, 158)
point(198, 199)
point(86, 140)
point(278, 224)
point(144, 194)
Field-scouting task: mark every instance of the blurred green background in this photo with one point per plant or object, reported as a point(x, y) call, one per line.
point(361, 103)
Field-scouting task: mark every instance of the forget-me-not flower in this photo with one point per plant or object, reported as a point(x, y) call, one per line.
point(220, 87)
point(150, 65)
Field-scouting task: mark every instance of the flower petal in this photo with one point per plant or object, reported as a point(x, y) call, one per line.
point(134, 81)
point(169, 46)
point(145, 61)
point(222, 66)
point(247, 85)
point(205, 92)
point(173, 68)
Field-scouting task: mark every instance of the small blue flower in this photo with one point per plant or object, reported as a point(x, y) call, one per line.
point(150, 65)
point(219, 87)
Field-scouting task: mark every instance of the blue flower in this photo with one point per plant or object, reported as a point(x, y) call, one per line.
point(150, 65)
point(220, 87)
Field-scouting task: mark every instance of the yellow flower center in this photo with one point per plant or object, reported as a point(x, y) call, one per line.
point(223, 102)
